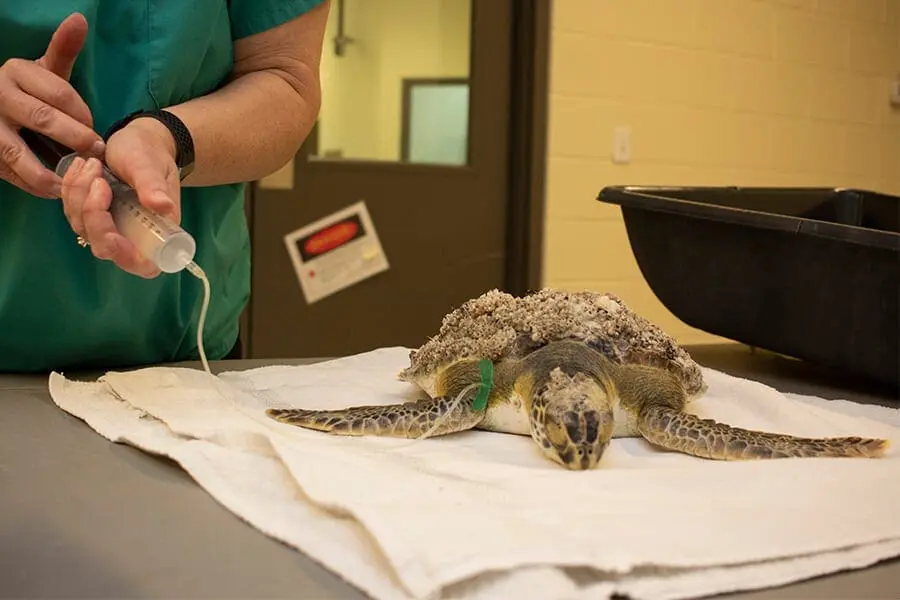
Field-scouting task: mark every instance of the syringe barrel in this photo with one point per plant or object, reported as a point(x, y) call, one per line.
point(169, 246)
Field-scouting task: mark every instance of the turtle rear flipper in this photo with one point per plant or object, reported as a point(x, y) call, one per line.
point(687, 433)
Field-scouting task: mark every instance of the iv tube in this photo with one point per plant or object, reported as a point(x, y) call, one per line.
point(169, 246)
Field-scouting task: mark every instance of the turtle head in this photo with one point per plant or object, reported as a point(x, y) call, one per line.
point(572, 420)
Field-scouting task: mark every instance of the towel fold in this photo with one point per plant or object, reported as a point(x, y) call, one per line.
point(485, 515)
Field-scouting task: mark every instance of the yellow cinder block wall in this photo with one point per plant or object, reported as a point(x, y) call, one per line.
point(715, 92)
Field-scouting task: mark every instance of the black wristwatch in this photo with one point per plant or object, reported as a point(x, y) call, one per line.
point(184, 143)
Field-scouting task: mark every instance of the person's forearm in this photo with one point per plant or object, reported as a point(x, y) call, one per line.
point(249, 128)
point(253, 125)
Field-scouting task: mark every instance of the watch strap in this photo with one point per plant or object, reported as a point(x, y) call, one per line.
point(184, 142)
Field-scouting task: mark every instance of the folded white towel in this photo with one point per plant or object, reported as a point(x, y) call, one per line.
point(482, 515)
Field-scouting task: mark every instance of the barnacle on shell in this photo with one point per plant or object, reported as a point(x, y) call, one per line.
point(496, 325)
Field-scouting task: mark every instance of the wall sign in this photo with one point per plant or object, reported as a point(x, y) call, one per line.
point(335, 252)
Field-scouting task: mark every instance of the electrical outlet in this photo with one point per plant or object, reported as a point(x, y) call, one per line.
point(621, 152)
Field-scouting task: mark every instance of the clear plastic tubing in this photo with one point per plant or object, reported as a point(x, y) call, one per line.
point(165, 243)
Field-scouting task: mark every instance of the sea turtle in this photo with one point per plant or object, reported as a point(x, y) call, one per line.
point(570, 369)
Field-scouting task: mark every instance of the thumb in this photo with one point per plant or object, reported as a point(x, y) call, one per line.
point(152, 187)
point(65, 45)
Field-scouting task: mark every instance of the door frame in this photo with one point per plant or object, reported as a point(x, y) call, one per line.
point(530, 58)
point(529, 63)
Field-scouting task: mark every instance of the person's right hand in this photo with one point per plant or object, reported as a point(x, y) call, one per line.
point(37, 95)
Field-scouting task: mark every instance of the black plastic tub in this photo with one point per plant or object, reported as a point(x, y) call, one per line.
point(811, 273)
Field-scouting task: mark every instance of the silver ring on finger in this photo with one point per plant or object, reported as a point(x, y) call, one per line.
point(82, 242)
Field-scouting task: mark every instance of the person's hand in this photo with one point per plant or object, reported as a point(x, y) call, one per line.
point(37, 95)
point(141, 154)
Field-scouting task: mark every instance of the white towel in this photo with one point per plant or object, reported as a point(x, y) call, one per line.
point(484, 515)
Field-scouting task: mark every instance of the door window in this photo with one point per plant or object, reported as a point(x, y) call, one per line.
point(395, 82)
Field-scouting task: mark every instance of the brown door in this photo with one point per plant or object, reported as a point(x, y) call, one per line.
point(415, 130)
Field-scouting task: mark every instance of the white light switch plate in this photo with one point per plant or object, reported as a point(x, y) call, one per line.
point(621, 153)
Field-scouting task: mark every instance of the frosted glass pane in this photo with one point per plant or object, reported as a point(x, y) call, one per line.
point(438, 124)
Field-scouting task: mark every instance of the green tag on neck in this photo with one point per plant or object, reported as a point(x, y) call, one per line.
point(486, 367)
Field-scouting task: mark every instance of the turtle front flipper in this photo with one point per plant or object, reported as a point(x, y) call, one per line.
point(450, 412)
point(408, 420)
point(705, 438)
point(657, 401)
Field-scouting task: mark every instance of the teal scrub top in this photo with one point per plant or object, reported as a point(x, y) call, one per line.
point(63, 309)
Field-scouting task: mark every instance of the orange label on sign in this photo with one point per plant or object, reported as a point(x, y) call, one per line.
point(331, 238)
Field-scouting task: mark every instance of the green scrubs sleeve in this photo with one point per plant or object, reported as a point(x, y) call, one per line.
point(249, 17)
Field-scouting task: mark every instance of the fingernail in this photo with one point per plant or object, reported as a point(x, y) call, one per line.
point(75, 167)
point(98, 148)
point(149, 270)
point(95, 166)
point(163, 201)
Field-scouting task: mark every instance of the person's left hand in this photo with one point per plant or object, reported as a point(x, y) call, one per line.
point(142, 154)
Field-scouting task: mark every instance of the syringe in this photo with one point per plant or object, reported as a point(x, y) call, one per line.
point(169, 246)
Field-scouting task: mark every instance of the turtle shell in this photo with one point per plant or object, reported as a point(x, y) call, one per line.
point(498, 325)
